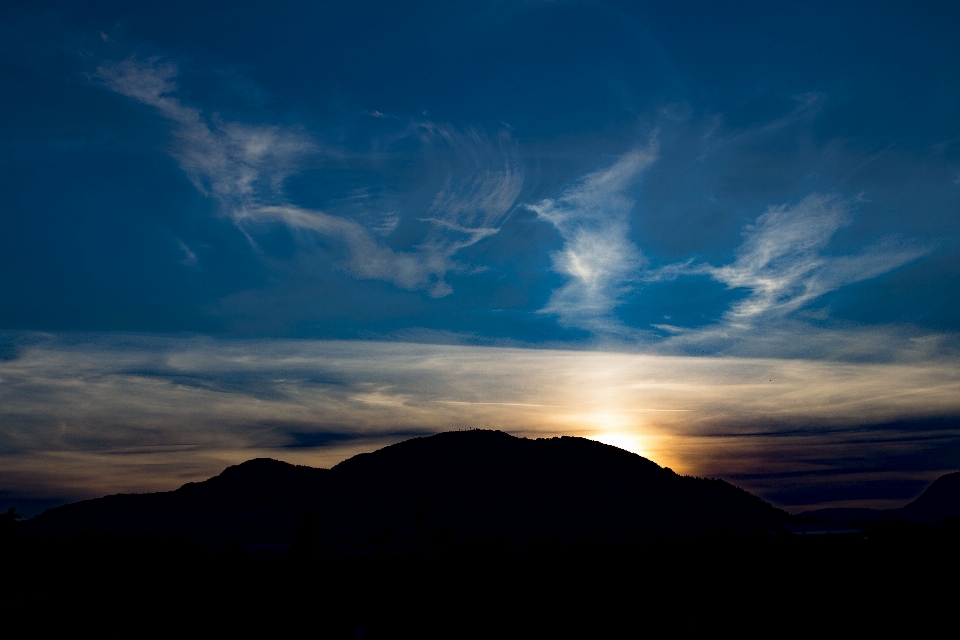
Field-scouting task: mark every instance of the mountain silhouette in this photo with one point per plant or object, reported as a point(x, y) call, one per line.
point(462, 483)
point(849, 514)
point(940, 500)
point(476, 534)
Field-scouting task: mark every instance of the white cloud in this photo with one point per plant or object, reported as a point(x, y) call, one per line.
point(189, 257)
point(243, 166)
point(481, 184)
point(148, 82)
point(96, 414)
point(239, 164)
point(483, 180)
point(593, 217)
point(782, 259)
point(367, 258)
point(475, 201)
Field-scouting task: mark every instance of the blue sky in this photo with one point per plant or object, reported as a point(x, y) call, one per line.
point(735, 181)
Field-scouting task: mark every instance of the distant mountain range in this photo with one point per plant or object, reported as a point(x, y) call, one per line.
point(941, 499)
point(462, 483)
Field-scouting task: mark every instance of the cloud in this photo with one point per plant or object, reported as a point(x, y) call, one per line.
point(367, 259)
point(244, 166)
point(84, 415)
point(148, 82)
point(475, 199)
point(782, 259)
point(239, 164)
point(598, 257)
point(189, 257)
point(787, 337)
point(807, 105)
point(481, 181)
point(784, 264)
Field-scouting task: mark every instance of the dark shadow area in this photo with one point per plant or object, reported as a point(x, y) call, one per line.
point(469, 482)
point(896, 580)
point(479, 535)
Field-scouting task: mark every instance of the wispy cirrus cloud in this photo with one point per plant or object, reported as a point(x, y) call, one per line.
point(367, 259)
point(244, 167)
point(474, 200)
point(783, 260)
point(598, 257)
point(482, 180)
point(239, 164)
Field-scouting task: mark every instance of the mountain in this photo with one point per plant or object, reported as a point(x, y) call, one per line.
point(849, 514)
point(941, 499)
point(461, 483)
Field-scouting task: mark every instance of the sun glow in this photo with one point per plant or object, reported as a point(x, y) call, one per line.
point(627, 441)
point(699, 416)
point(617, 430)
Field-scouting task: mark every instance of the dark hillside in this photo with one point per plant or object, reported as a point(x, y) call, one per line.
point(414, 540)
point(468, 483)
point(482, 482)
point(848, 514)
point(940, 500)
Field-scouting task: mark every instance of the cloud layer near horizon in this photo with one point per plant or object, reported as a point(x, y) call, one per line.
point(83, 416)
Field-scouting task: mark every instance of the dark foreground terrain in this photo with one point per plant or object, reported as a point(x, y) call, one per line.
point(478, 535)
point(899, 580)
point(477, 483)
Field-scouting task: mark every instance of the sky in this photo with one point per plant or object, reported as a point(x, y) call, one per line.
point(723, 235)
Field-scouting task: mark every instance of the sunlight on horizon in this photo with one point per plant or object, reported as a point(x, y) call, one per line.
point(626, 441)
point(617, 430)
point(81, 408)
